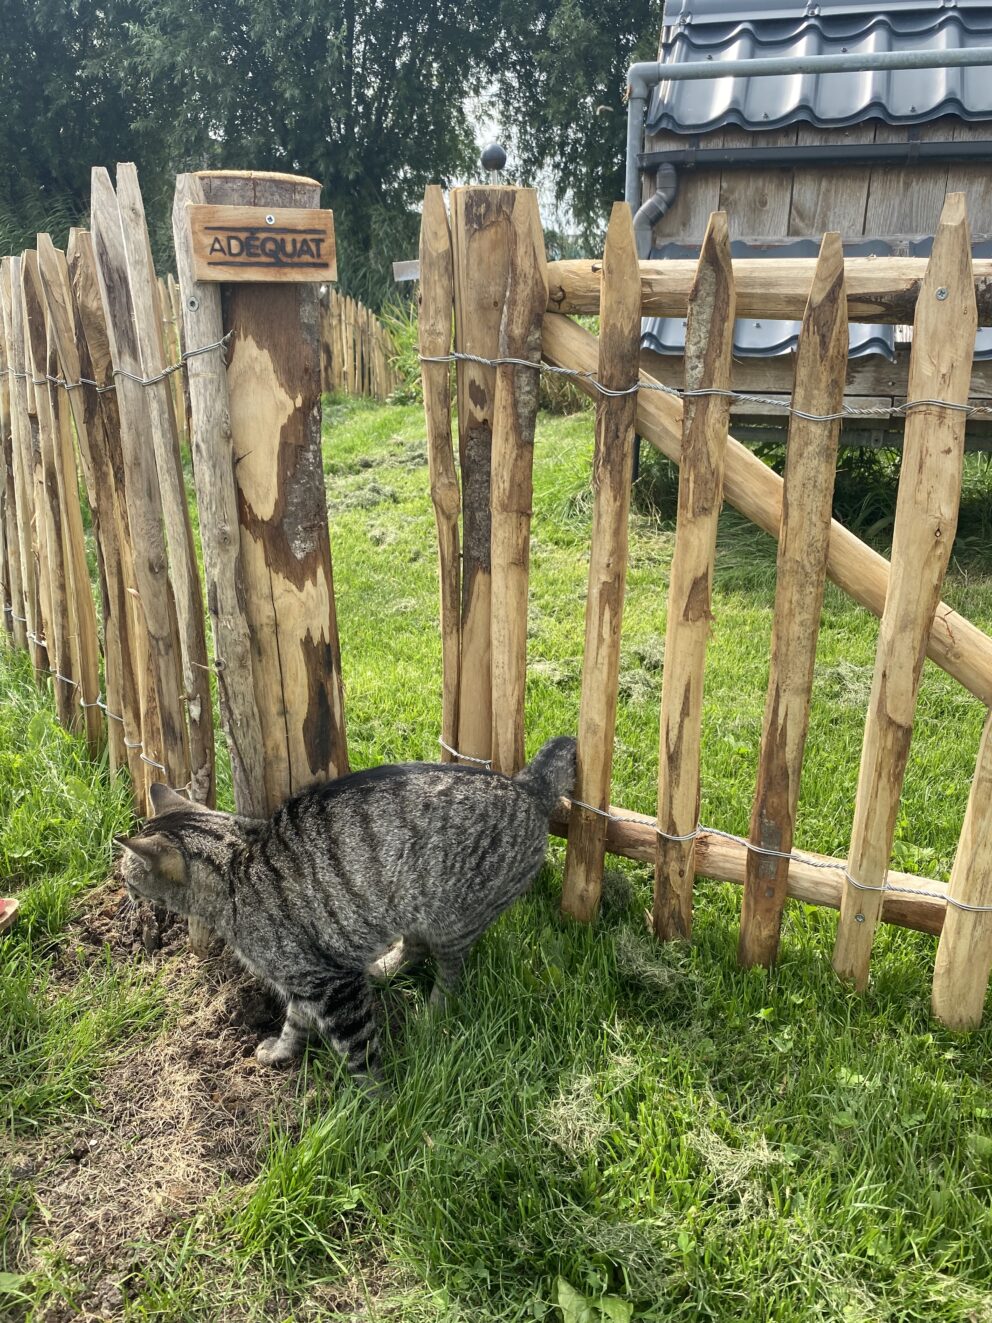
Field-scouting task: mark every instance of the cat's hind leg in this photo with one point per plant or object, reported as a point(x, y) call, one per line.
point(348, 1018)
point(404, 954)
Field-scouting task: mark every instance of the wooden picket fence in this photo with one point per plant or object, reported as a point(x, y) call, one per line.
point(486, 270)
point(356, 349)
point(100, 366)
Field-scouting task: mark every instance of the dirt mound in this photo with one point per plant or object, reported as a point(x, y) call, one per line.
point(173, 1121)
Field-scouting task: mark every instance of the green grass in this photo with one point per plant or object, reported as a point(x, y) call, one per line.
point(602, 1128)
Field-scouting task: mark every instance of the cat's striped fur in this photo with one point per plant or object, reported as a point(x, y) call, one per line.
point(311, 898)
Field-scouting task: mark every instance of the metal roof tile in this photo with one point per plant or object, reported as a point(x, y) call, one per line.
point(717, 29)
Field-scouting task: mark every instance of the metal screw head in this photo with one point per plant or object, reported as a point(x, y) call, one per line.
point(859, 918)
point(942, 293)
point(192, 303)
point(270, 219)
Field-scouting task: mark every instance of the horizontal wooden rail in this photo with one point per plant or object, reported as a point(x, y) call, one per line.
point(879, 289)
point(725, 860)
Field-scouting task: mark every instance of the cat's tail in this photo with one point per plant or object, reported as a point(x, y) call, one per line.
point(550, 773)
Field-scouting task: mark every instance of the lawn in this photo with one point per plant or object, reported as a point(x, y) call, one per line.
point(601, 1128)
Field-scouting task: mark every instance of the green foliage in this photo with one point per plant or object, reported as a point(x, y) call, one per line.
point(400, 320)
point(561, 77)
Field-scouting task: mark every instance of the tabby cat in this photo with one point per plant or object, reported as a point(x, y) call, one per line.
point(314, 899)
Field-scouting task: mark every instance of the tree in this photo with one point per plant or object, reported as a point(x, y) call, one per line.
point(560, 80)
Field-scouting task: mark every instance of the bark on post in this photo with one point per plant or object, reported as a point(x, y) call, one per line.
point(217, 498)
point(136, 716)
point(926, 518)
point(59, 303)
point(480, 221)
point(821, 363)
point(163, 688)
point(434, 323)
point(16, 616)
point(10, 286)
point(964, 953)
point(709, 346)
point(619, 343)
point(61, 631)
point(514, 419)
point(184, 574)
point(273, 380)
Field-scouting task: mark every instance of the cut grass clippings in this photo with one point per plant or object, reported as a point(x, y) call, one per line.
point(601, 1128)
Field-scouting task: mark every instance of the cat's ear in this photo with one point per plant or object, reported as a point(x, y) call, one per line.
point(159, 853)
point(166, 800)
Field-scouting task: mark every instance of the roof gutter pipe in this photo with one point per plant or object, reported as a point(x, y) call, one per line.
point(660, 201)
point(642, 77)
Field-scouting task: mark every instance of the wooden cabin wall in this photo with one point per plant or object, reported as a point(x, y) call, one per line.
point(775, 204)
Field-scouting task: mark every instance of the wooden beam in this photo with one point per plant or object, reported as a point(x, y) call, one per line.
point(819, 882)
point(879, 289)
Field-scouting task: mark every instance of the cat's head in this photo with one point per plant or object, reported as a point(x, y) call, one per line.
point(158, 862)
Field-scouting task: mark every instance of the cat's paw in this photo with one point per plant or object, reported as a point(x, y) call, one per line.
point(273, 1052)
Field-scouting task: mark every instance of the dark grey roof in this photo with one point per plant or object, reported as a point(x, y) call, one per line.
point(726, 29)
point(767, 338)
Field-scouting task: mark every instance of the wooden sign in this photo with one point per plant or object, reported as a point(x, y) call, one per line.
point(261, 244)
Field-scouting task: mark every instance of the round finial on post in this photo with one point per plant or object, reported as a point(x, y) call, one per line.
point(493, 158)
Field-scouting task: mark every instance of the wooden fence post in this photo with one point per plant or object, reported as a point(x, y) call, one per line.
point(434, 325)
point(170, 756)
point(184, 574)
point(16, 615)
point(99, 429)
point(13, 319)
point(480, 221)
point(514, 418)
point(273, 381)
point(217, 498)
point(619, 345)
point(964, 952)
point(926, 518)
point(54, 273)
point(61, 628)
point(709, 345)
point(811, 463)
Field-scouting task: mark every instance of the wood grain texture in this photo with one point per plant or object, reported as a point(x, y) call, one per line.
point(143, 496)
point(757, 202)
point(184, 574)
point(964, 953)
point(514, 419)
point(273, 384)
point(879, 289)
point(271, 244)
point(709, 347)
point(437, 303)
point(217, 497)
point(480, 225)
point(811, 464)
point(12, 308)
point(955, 644)
point(16, 618)
point(925, 521)
point(61, 314)
point(99, 432)
point(830, 199)
point(619, 342)
point(61, 630)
